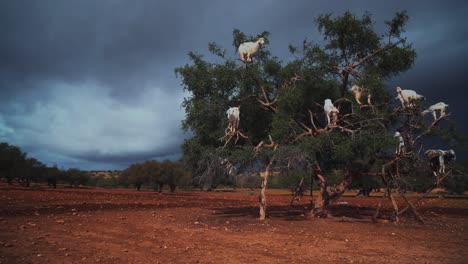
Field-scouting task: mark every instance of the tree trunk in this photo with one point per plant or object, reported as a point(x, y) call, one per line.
point(172, 187)
point(320, 203)
point(262, 198)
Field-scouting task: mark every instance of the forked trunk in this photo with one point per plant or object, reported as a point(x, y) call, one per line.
point(320, 203)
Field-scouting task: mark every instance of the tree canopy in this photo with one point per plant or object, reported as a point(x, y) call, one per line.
point(282, 119)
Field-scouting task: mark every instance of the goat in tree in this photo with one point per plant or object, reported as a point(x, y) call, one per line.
point(401, 143)
point(407, 96)
point(440, 106)
point(248, 49)
point(233, 115)
point(331, 111)
point(438, 158)
point(359, 92)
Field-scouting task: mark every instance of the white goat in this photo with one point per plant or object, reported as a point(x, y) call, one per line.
point(247, 49)
point(331, 111)
point(437, 159)
point(440, 106)
point(401, 143)
point(407, 96)
point(233, 115)
point(359, 92)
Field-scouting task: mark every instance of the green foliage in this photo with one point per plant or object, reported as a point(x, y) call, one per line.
point(348, 34)
point(76, 177)
point(11, 158)
point(397, 24)
point(156, 174)
point(457, 184)
point(14, 164)
point(296, 120)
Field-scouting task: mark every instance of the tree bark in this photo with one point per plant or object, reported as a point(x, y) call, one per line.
point(262, 198)
point(327, 194)
point(344, 85)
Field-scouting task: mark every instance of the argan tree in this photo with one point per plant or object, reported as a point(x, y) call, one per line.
point(282, 121)
point(155, 174)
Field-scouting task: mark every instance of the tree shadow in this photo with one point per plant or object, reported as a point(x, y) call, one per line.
point(296, 213)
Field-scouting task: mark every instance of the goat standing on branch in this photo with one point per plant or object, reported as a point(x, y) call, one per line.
point(407, 96)
point(401, 143)
point(247, 49)
point(359, 92)
point(438, 158)
point(233, 115)
point(331, 111)
point(441, 107)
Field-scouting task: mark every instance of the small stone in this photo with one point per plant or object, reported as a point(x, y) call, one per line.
point(39, 255)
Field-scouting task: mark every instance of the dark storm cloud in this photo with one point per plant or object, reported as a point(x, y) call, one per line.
point(115, 42)
point(91, 83)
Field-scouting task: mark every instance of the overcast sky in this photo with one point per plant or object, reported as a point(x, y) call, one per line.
point(91, 84)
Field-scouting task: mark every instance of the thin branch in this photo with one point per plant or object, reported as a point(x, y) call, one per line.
point(429, 129)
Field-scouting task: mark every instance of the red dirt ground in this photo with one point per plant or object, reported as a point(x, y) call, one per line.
point(125, 226)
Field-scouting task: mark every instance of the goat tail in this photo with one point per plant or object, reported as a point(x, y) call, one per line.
point(425, 112)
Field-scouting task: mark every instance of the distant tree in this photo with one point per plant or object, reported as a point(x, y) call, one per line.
point(11, 160)
point(30, 170)
point(155, 173)
point(137, 175)
point(76, 177)
point(53, 175)
point(173, 174)
point(124, 178)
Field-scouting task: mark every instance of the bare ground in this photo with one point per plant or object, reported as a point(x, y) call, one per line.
point(125, 226)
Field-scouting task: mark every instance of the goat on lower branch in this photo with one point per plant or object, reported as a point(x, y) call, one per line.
point(438, 158)
point(359, 92)
point(407, 96)
point(233, 115)
point(401, 143)
point(440, 106)
point(331, 111)
point(248, 49)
